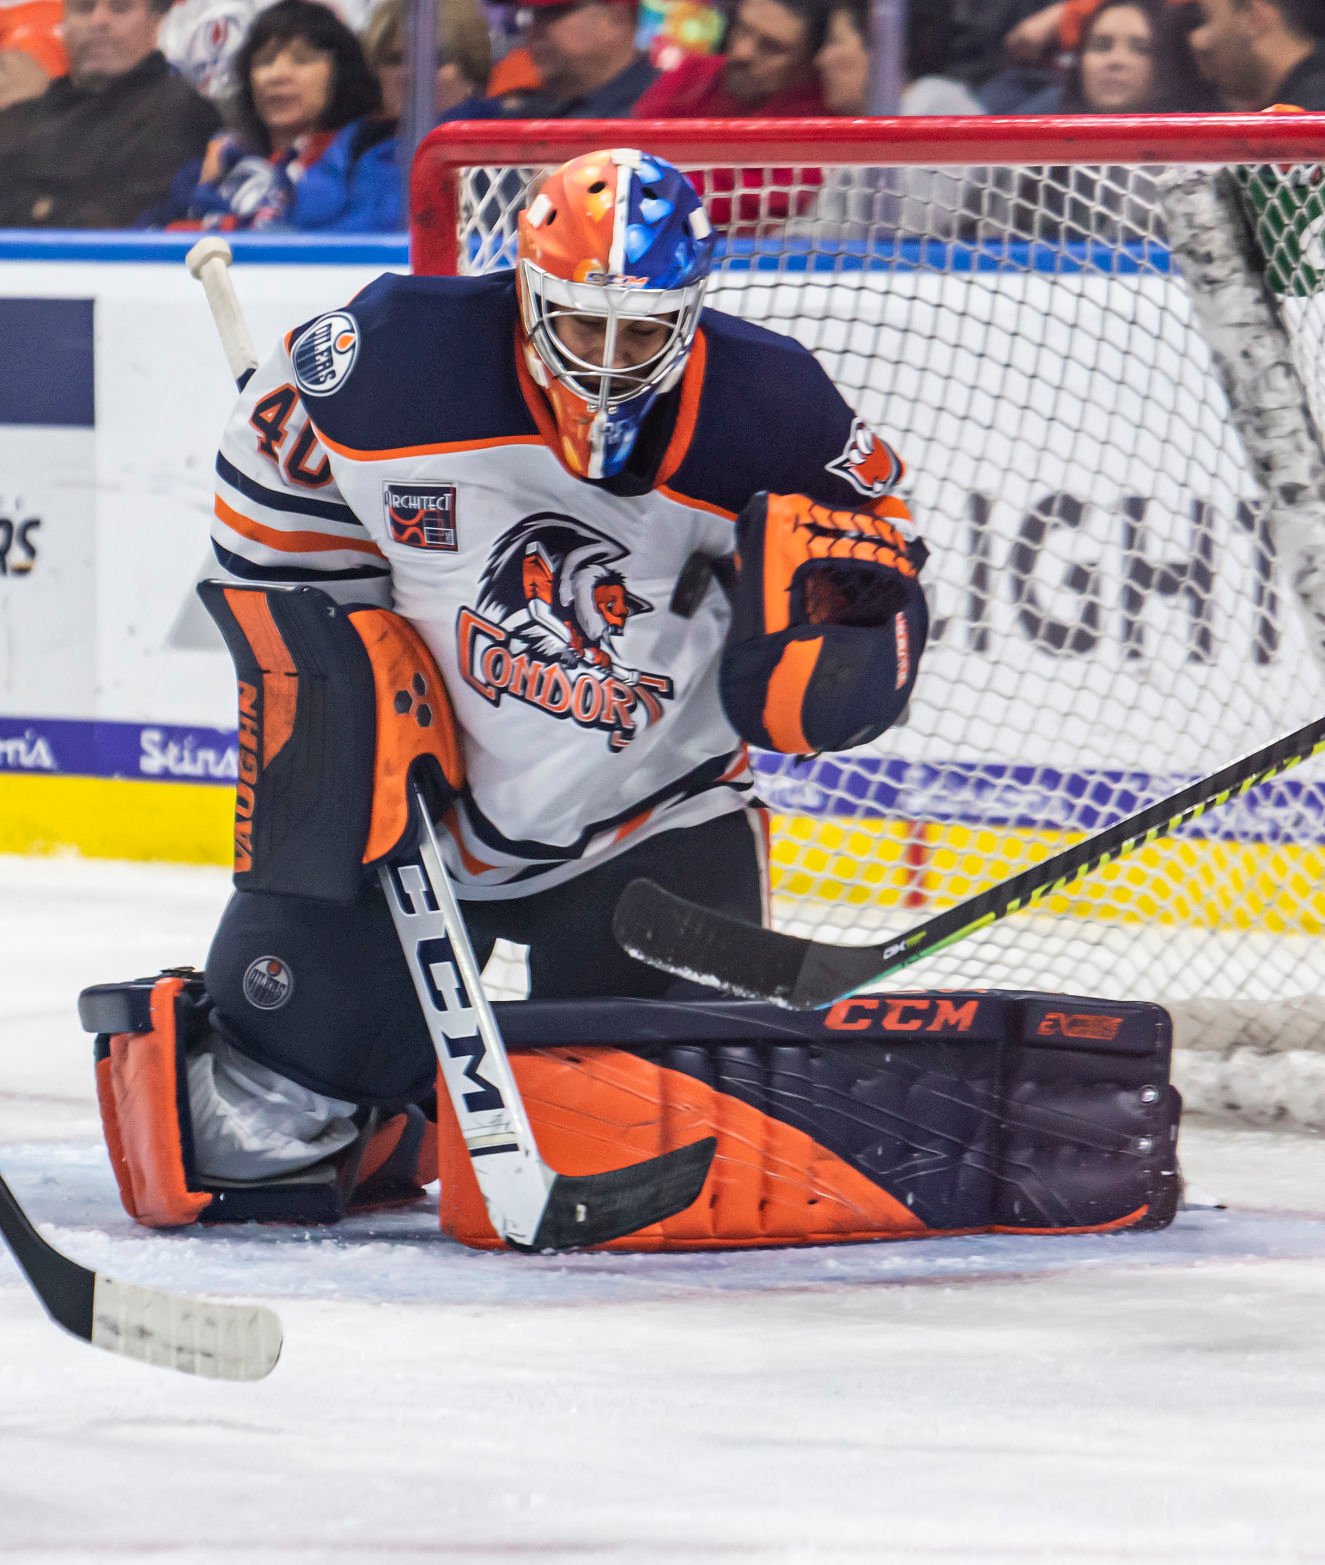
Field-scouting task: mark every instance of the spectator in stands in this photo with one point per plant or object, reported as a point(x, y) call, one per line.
point(202, 38)
point(101, 143)
point(1134, 57)
point(1045, 48)
point(306, 97)
point(975, 45)
point(464, 53)
point(351, 188)
point(843, 62)
point(766, 69)
point(1047, 33)
point(1260, 52)
point(589, 66)
point(860, 202)
point(31, 48)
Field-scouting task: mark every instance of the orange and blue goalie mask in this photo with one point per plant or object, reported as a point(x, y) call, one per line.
point(612, 239)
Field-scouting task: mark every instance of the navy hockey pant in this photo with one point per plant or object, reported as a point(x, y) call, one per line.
point(350, 1024)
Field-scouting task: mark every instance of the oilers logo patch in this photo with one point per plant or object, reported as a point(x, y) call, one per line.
point(553, 605)
point(268, 983)
point(421, 516)
point(324, 353)
point(868, 464)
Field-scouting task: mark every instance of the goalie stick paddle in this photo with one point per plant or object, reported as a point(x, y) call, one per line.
point(531, 1206)
point(195, 1336)
point(694, 942)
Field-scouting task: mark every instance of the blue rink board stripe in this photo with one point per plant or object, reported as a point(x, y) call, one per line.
point(896, 254)
point(386, 250)
point(1025, 798)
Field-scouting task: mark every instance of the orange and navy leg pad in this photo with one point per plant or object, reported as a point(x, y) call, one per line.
point(339, 708)
point(887, 1117)
point(140, 1090)
point(143, 1030)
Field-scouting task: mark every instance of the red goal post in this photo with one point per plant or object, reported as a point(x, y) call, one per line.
point(1205, 139)
point(1099, 342)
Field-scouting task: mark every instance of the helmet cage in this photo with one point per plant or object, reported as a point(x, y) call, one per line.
point(544, 299)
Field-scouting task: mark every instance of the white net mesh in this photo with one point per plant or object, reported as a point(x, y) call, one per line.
point(1111, 615)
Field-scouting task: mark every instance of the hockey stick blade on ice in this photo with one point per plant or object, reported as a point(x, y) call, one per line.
point(195, 1336)
point(530, 1205)
point(681, 937)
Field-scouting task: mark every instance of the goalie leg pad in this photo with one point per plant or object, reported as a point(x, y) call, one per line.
point(889, 1116)
point(338, 709)
point(140, 1091)
point(156, 1073)
point(828, 624)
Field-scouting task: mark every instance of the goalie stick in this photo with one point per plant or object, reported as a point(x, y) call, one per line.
point(694, 942)
point(196, 1336)
point(530, 1205)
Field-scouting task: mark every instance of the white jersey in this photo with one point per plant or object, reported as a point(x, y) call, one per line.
point(397, 452)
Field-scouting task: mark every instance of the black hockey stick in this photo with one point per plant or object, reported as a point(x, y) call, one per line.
point(221, 1341)
point(682, 938)
point(530, 1205)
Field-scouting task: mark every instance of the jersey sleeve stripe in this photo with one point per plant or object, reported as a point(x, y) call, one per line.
point(293, 541)
point(281, 499)
point(346, 532)
point(247, 570)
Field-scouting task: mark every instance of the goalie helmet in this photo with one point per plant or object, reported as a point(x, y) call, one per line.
point(610, 239)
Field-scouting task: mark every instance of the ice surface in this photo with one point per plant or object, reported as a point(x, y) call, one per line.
point(1138, 1397)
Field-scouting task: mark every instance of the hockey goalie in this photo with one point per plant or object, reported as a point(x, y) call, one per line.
point(561, 543)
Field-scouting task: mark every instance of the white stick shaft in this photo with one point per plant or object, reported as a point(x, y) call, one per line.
point(514, 1181)
point(209, 261)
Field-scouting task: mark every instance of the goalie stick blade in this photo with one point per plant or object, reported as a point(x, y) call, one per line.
point(588, 1209)
point(712, 948)
point(195, 1336)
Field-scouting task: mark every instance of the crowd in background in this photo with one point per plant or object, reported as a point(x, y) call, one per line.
point(239, 114)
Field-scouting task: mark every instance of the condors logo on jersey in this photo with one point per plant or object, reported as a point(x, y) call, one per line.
point(868, 464)
point(551, 607)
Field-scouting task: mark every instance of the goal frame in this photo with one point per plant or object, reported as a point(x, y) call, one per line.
point(1224, 1036)
point(1197, 139)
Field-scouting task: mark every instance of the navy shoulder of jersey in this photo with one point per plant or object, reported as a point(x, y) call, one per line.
point(414, 361)
point(769, 418)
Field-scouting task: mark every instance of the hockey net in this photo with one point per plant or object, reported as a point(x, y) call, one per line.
point(1120, 603)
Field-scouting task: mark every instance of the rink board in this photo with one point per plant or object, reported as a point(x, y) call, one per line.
point(116, 698)
point(879, 864)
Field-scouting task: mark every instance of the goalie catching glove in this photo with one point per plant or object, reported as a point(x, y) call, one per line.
point(828, 623)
